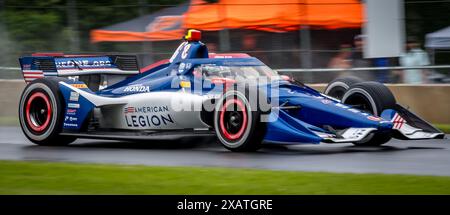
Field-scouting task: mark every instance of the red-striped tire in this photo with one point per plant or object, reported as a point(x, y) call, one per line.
point(237, 125)
point(41, 112)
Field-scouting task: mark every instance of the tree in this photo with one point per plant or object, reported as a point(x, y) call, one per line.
point(43, 25)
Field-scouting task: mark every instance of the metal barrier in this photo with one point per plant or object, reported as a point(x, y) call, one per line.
point(391, 74)
point(10, 68)
point(307, 75)
point(365, 68)
point(328, 69)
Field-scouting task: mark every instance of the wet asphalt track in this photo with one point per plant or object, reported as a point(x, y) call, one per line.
point(425, 157)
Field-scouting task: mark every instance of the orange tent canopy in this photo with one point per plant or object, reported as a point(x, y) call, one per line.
point(129, 36)
point(263, 15)
point(276, 16)
point(165, 24)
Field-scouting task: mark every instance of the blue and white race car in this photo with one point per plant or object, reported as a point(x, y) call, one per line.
point(232, 96)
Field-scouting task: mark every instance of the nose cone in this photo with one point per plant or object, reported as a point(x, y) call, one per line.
point(385, 124)
point(379, 122)
point(318, 110)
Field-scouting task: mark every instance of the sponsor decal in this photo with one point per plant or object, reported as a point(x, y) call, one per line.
point(143, 121)
point(70, 125)
point(73, 105)
point(74, 63)
point(184, 66)
point(147, 116)
point(185, 84)
point(101, 63)
point(71, 119)
point(146, 109)
point(129, 110)
point(353, 110)
point(374, 118)
point(71, 111)
point(326, 101)
point(181, 67)
point(71, 63)
point(74, 96)
point(79, 86)
point(342, 106)
point(137, 88)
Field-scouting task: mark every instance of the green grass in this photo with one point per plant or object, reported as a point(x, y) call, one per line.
point(443, 127)
point(64, 178)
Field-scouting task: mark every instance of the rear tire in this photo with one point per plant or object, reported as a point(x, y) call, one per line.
point(41, 113)
point(373, 98)
point(339, 86)
point(238, 127)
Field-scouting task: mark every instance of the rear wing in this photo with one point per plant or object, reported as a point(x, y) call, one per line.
point(44, 65)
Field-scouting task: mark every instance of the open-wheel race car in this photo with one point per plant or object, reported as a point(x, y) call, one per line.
point(195, 93)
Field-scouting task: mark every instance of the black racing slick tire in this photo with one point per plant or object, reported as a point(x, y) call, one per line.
point(340, 85)
point(237, 122)
point(41, 113)
point(373, 98)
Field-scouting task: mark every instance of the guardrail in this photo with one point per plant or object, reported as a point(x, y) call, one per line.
point(10, 68)
point(307, 73)
point(328, 69)
point(391, 73)
point(365, 68)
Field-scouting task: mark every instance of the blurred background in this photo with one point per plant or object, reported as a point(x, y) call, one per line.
point(312, 40)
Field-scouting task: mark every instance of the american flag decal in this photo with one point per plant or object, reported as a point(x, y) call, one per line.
point(398, 121)
point(129, 110)
point(30, 75)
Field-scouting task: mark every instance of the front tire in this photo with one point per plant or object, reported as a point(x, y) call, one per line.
point(41, 113)
point(373, 98)
point(238, 127)
point(339, 86)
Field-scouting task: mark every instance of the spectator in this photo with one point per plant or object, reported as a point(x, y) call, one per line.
point(358, 60)
point(212, 47)
point(342, 59)
point(249, 46)
point(249, 42)
point(414, 56)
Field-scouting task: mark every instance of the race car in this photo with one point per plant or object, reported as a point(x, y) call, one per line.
point(234, 97)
